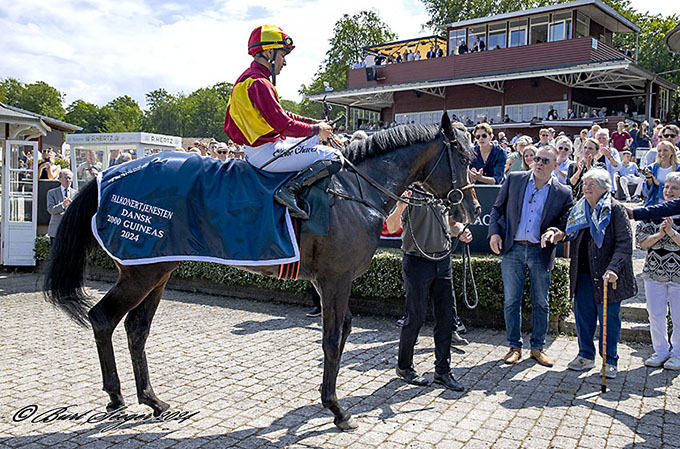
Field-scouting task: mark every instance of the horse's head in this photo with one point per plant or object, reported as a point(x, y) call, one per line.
point(448, 173)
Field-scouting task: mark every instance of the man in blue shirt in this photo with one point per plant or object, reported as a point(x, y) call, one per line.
point(528, 217)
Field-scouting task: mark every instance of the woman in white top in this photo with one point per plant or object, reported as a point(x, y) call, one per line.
point(666, 162)
point(661, 274)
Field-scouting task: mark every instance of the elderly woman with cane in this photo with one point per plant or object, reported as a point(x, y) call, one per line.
point(601, 253)
point(661, 274)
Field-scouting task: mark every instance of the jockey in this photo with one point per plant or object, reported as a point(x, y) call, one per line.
point(256, 120)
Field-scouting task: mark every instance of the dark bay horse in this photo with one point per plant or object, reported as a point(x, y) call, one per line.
point(438, 156)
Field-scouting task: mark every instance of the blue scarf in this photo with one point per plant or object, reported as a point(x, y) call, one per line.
point(582, 216)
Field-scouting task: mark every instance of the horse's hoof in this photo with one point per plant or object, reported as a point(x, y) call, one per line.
point(347, 425)
point(115, 405)
point(158, 407)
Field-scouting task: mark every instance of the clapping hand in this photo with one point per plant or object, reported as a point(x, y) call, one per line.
point(475, 174)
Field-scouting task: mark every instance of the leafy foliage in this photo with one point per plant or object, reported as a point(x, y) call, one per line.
point(350, 35)
point(38, 97)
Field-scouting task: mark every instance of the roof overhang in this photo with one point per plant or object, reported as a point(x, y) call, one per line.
point(21, 124)
point(596, 10)
point(672, 39)
point(621, 76)
point(54, 123)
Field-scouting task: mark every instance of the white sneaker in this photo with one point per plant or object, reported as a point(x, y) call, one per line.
point(610, 371)
point(581, 364)
point(673, 363)
point(656, 361)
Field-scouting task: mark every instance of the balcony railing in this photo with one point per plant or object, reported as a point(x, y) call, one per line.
point(504, 60)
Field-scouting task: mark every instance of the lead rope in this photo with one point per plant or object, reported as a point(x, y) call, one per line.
point(467, 266)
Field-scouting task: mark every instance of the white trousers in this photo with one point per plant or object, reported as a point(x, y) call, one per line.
point(659, 295)
point(631, 179)
point(301, 157)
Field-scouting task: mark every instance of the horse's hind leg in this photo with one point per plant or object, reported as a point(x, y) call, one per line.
point(104, 317)
point(336, 327)
point(137, 325)
point(133, 285)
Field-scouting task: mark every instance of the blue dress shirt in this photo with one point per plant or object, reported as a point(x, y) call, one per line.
point(532, 211)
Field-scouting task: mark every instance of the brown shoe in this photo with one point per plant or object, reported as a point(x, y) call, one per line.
point(513, 355)
point(542, 358)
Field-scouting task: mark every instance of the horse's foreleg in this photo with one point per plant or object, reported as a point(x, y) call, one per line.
point(137, 325)
point(336, 328)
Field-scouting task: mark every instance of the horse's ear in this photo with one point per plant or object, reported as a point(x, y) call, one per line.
point(446, 124)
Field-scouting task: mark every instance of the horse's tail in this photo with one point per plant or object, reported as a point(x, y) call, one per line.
point(68, 256)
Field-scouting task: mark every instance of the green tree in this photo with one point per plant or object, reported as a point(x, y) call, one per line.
point(122, 114)
point(38, 97)
point(204, 111)
point(164, 113)
point(84, 114)
point(350, 35)
point(11, 91)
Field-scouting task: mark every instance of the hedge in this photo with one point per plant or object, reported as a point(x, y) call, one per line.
point(381, 282)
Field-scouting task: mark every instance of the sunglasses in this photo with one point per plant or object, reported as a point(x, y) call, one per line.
point(481, 136)
point(545, 135)
point(670, 136)
point(563, 148)
point(222, 151)
point(545, 160)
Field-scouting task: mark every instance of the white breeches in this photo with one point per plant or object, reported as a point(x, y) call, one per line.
point(301, 157)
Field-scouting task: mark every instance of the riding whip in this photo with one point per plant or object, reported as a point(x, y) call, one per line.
point(289, 150)
point(604, 335)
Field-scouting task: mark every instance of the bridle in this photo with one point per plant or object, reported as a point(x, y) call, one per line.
point(455, 196)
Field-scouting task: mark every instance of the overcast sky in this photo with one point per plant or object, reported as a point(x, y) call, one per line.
point(100, 49)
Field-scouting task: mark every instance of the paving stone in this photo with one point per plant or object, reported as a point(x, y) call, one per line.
point(253, 369)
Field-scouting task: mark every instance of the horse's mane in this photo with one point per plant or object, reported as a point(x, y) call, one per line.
point(389, 139)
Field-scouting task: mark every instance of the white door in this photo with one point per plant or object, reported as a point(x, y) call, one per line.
point(19, 202)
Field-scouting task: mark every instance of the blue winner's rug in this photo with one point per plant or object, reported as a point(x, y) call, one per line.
point(181, 206)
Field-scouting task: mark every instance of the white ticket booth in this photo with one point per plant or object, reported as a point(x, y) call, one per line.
point(18, 185)
point(92, 153)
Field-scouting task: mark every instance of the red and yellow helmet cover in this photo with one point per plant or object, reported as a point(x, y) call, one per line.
point(268, 36)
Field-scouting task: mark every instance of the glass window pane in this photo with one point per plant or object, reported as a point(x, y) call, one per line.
point(497, 39)
point(20, 186)
point(539, 33)
point(561, 16)
point(88, 165)
point(518, 37)
point(557, 32)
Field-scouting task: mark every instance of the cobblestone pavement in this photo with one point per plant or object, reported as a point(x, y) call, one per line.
point(253, 369)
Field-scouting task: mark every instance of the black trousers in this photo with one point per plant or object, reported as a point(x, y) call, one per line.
point(424, 278)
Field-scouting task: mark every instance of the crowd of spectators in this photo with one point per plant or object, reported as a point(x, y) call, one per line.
point(409, 54)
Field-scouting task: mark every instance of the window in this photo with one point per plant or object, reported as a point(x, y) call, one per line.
point(456, 37)
point(664, 105)
point(474, 33)
point(582, 24)
point(518, 33)
point(497, 35)
point(539, 29)
point(560, 27)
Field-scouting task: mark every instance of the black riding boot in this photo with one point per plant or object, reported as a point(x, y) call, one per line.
point(287, 194)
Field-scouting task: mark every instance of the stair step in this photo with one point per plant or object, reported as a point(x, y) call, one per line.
point(634, 311)
point(631, 331)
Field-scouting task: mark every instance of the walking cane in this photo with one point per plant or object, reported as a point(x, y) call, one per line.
point(604, 335)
